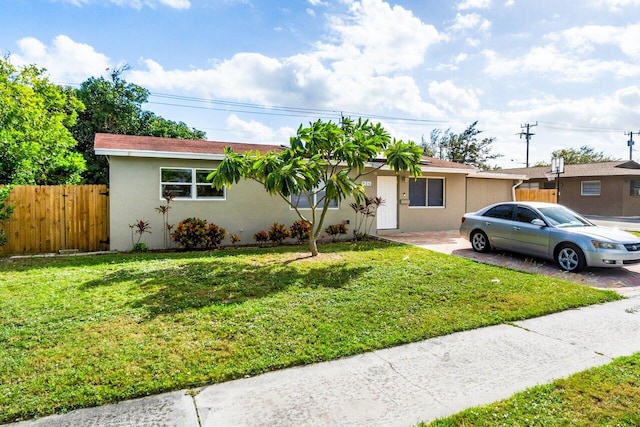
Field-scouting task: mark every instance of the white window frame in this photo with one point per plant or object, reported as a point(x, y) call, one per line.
point(426, 187)
point(315, 201)
point(193, 185)
point(590, 193)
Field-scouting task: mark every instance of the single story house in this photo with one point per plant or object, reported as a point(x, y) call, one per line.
point(607, 189)
point(141, 168)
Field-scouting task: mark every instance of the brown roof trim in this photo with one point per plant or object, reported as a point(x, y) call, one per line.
point(120, 144)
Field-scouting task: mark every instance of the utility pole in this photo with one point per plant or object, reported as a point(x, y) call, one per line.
point(630, 143)
point(527, 136)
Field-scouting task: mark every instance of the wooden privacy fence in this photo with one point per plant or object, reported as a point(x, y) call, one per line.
point(531, 195)
point(58, 217)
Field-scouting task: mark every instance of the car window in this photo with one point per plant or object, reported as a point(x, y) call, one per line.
point(525, 214)
point(562, 217)
point(500, 211)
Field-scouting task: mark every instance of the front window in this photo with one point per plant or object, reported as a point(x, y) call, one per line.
point(635, 189)
point(426, 192)
point(301, 201)
point(188, 184)
point(590, 188)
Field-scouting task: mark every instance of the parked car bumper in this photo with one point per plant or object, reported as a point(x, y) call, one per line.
point(611, 258)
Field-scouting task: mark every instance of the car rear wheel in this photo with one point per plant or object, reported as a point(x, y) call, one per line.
point(480, 242)
point(570, 258)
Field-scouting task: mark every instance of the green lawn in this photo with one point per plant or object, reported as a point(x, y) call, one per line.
point(603, 396)
point(84, 331)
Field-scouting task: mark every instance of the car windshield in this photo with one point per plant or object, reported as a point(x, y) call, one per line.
point(559, 216)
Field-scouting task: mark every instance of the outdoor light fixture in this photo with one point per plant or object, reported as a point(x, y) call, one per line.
point(557, 167)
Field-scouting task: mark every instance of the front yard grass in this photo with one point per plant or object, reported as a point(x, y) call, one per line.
point(605, 396)
point(85, 331)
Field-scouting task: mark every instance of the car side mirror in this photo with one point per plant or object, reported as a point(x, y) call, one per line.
point(538, 222)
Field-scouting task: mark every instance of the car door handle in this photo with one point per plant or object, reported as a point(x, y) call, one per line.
point(515, 228)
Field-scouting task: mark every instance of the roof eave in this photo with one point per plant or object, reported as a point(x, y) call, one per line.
point(158, 154)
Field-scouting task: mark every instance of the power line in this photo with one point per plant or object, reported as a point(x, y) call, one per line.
point(250, 108)
point(579, 128)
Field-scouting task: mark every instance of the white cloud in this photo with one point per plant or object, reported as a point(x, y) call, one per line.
point(509, 3)
point(454, 99)
point(256, 132)
point(585, 39)
point(573, 55)
point(615, 5)
point(471, 21)
point(377, 38)
point(474, 4)
point(65, 60)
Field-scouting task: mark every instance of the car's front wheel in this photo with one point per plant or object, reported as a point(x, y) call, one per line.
point(570, 258)
point(480, 241)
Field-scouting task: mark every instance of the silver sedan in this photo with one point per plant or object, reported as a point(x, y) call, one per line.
point(550, 231)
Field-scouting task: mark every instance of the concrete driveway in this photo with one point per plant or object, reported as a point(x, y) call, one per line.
point(625, 280)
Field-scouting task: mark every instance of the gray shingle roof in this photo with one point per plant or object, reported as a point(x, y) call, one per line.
point(618, 168)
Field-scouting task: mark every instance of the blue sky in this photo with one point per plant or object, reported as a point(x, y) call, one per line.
point(253, 71)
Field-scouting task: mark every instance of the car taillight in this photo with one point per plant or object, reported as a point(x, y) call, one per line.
point(462, 220)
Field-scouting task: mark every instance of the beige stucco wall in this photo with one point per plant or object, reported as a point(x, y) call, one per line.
point(135, 194)
point(433, 218)
point(482, 192)
point(248, 208)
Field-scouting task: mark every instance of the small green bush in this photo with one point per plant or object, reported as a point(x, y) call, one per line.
point(140, 247)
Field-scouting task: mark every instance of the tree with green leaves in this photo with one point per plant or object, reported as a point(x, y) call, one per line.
point(578, 156)
point(36, 146)
point(465, 147)
point(321, 166)
point(115, 106)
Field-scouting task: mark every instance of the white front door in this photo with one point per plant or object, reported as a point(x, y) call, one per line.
point(387, 215)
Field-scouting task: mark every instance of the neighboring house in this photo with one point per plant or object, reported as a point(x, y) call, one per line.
point(141, 168)
point(609, 188)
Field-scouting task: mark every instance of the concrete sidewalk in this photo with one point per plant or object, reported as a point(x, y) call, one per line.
point(394, 387)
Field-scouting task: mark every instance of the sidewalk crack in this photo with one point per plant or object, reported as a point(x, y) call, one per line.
point(584, 347)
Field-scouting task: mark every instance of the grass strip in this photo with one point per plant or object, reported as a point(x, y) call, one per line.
point(604, 396)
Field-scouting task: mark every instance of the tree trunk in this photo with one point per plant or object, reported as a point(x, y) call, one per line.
point(313, 247)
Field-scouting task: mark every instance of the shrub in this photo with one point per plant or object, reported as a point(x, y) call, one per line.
point(261, 237)
point(215, 235)
point(234, 239)
point(300, 230)
point(140, 247)
point(336, 229)
point(139, 227)
point(190, 233)
point(278, 232)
